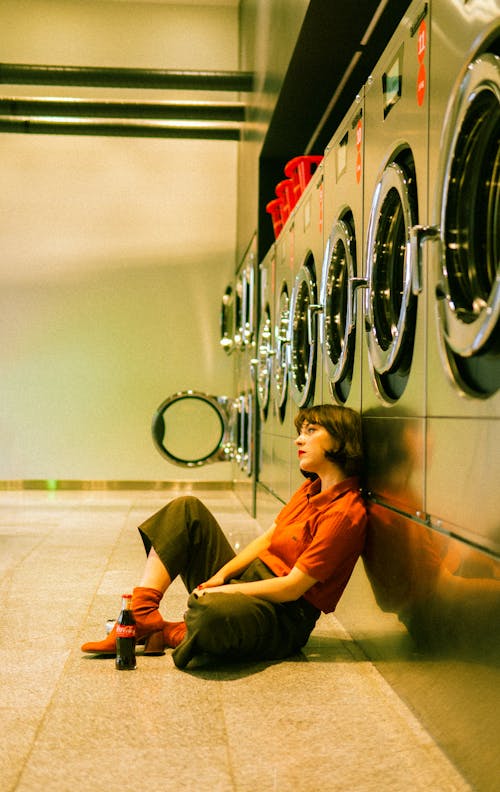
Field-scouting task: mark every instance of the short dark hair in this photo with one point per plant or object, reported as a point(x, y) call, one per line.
point(344, 425)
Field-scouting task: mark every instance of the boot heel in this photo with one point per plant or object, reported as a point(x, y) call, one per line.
point(154, 644)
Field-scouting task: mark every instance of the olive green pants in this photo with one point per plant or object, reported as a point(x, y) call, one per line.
point(190, 543)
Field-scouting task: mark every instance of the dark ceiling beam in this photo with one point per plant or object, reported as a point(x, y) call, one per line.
point(159, 111)
point(104, 77)
point(139, 130)
point(337, 47)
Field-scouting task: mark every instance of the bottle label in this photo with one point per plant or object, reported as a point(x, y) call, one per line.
point(125, 630)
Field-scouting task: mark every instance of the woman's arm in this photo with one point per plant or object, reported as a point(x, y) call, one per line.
point(279, 589)
point(240, 561)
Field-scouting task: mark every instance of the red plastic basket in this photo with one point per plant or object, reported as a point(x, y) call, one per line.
point(299, 170)
point(274, 209)
point(285, 193)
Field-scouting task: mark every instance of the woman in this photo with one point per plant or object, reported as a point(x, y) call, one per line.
point(264, 602)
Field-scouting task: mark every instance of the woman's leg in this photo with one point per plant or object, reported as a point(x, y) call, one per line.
point(182, 539)
point(187, 540)
point(155, 574)
point(235, 626)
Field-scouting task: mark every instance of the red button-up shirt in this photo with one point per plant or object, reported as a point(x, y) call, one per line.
point(321, 533)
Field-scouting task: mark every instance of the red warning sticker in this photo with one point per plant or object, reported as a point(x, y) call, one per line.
point(421, 84)
point(421, 50)
point(359, 140)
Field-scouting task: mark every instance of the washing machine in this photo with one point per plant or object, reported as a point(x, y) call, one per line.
point(340, 329)
point(279, 423)
point(263, 364)
point(244, 461)
point(463, 247)
point(396, 208)
point(305, 375)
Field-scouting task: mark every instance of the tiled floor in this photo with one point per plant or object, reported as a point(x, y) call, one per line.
point(323, 720)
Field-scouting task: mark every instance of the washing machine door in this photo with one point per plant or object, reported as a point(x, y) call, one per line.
point(469, 289)
point(281, 359)
point(191, 429)
point(338, 327)
point(263, 361)
point(303, 334)
point(392, 272)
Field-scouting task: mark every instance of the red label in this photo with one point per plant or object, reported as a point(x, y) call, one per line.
point(422, 41)
point(421, 50)
point(359, 140)
point(125, 630)
point(421, 85)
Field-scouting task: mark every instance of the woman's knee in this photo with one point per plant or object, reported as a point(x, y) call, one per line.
point(186, 501)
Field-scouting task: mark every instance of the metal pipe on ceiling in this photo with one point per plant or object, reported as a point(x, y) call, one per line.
point(105, 77)
point(142, 130)
point(160, 111)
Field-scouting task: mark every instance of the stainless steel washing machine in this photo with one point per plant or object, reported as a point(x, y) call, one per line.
point(279, 422)
point(245, 393)
point(263, 364)
point(463, 392)
point(340, 330)
point(306, 383)
point(396, 206)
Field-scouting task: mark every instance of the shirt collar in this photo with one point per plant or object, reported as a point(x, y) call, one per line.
point(320, 499)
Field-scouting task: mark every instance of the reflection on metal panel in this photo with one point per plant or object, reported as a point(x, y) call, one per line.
point(394, 453)
point(446, 593)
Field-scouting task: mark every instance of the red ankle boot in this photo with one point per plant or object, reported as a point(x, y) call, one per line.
point(149, 625)
point(173, 633)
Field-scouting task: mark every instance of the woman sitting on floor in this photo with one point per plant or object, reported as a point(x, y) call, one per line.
point(263, 602)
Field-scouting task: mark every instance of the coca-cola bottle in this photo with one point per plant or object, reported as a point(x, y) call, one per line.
point(125, 636)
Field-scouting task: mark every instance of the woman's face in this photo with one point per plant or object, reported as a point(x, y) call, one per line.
point(312, 443)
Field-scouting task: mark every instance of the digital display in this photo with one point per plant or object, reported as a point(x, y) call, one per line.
point(392, 83)
point(342, 155)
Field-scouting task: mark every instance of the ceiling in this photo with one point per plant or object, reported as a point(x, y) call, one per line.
point(74, 204)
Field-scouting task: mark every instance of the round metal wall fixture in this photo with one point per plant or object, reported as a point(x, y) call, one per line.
point(392, 261)
point(469, 290)
point(303, 333)
point(264, 361)
point(282, 351)
point(339, 308)
point(227, 321)
point(191, 429)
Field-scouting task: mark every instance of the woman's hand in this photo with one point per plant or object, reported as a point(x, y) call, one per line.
point(215, 580)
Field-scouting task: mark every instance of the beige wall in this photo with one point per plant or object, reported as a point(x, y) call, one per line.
point(114, 252)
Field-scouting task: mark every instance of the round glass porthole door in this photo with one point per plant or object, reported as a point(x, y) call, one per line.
point(227, 321)
point(469, 289)
point(339, 306)
point(191, 429)
point(391, 305)
point(303, 334)
point(264, 360)
point(282, 351)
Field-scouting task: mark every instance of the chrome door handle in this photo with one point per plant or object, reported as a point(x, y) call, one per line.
point(418, 235)
point(312, 310)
